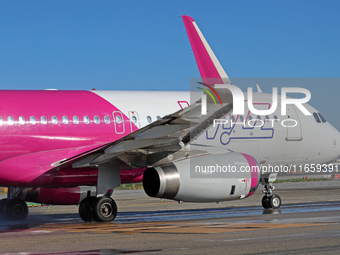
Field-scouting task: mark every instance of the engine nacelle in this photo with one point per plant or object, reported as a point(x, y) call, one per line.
point(57, 196)
point(208, 178)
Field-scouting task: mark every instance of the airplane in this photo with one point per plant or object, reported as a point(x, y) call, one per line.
point(76, 147)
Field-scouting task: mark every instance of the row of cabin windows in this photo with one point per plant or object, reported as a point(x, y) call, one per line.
point(258, 117)
point(76, 120)
point(64, 120)
point(149, 119)
point(43, 120)
point(319, 118)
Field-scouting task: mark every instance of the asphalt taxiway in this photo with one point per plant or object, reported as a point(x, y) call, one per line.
point(308, 222)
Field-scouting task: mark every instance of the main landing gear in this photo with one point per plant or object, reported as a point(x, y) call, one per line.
point(270, 200)
point(13, 208)
point(101, 209)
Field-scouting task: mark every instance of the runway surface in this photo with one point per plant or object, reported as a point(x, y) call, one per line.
point(307, 223)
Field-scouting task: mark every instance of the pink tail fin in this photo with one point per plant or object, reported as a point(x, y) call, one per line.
point(208, 65)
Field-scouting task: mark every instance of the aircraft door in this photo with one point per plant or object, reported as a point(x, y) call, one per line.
point(294, 133)
point(118, 121)
point(134, 120)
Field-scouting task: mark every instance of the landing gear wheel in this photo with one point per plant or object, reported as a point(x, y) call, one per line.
point(275, 201)
point(16, 209)
point(2, 206)
point(266, 202)
point(86, 209)
point(271, 202)
point(105, 209)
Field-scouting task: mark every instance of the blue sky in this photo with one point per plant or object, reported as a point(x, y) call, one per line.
point(142, 45)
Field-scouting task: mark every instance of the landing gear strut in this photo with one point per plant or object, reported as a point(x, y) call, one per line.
point(13, 208)
point(270, 200)
point(101, 209)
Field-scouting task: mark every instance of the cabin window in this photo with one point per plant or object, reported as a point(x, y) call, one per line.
point(250, 121)
point(21, 120)
point(54, 120)
point(33, 120)
point(158, 117)
point(316, 117)
point(118, 119)
point(96, 119)
point(232, 119)
point(275, 118)
point(43, 120)
point(75, 120)
point(134, 119)
point(322, 118)
point(107, 119)
point(241, 118)
point(258, 117)
point(10, 120)
point(65, 120)
point(149, 119)
point(86, 119)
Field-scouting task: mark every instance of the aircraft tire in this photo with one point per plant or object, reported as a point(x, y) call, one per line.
point(105, 209)
point(265, 202)
point(2, 206)
point(275, 201)
point(86, 209)
point(16, 209)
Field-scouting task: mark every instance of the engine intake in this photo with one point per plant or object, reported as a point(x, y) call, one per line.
point(162, 181)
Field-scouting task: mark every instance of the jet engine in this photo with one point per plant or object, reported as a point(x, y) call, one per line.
point(206, 178)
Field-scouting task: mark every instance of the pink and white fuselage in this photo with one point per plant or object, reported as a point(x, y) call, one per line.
point(40, 128)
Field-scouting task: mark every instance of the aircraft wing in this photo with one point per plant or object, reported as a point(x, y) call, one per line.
point(162, 138)
point(154, 142)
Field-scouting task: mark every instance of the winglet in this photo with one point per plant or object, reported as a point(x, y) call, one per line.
point(259, 90)
point(210, 68)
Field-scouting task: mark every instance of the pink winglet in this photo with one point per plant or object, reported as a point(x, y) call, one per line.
point(205, 64)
